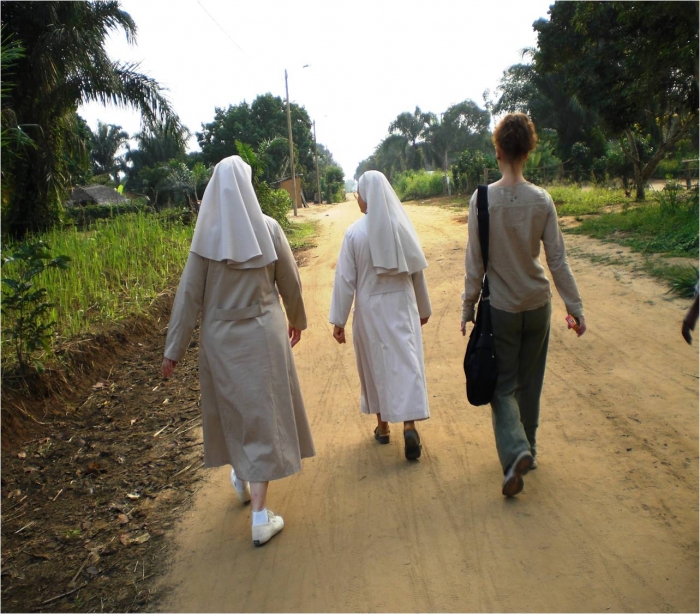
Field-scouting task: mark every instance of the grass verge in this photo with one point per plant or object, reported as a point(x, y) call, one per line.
point(119, 267)
point(666, 226)
point(571, 200)
point(301, 235)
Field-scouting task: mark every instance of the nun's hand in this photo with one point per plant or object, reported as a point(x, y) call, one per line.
point(339, 334)
point(168, 367)
point(424, 320)
point(294, 335)
point(464, 328)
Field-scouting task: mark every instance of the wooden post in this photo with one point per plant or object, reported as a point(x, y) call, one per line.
point(291, 145)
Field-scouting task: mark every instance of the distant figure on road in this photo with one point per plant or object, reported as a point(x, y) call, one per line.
point(253, 413)
point(380, 266)
point(522, 218)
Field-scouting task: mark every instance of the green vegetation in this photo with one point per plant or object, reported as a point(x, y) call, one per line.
point(651, 228)
point(62, 64)
point(118, 267)
point(682, 280)
point(24, 305)
point(617, 81)
point(425, 141)
point(666, 226)
point(84, 216)
point(301, 234)
point(334, 185)
point(572, 200)
point(411, 185)
point(275, 203)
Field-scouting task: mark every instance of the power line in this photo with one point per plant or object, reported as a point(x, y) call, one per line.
point(220, 27)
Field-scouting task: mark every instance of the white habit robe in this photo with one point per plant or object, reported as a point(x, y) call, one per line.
point(386, 329)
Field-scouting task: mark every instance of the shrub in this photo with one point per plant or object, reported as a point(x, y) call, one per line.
point(335, 185)
point(683, 281)
point(24, 306)
point(467, 172)
point(275, 203)
point(410, 185)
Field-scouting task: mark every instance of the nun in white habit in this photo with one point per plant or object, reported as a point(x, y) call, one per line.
point(380, 267)
point(253, 413)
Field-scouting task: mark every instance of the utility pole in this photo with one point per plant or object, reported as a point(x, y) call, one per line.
point(318, 179)
point(291, 145)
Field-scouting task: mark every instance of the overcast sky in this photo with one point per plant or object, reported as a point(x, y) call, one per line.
point(367, 61)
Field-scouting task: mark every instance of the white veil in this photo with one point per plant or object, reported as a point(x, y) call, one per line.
point(393, 243)
point(230, 225)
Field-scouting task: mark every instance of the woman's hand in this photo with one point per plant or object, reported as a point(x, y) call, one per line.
point(168, 367)
point(581, 326)
point(339, 334)
point(294, 335)
point(424, 320)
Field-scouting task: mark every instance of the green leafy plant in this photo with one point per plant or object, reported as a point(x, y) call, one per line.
point(683, 281)
point(670, 199)
point(25, 306)
point(335, 185)
point(275, 203)
point(412, 185)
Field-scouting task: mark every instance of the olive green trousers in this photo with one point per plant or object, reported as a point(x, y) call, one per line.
point(521, 341)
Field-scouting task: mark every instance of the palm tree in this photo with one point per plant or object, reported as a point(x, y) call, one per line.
point(462, 126)
point(158, 142)
point(105, 143)
point(411, 127)
point(65, 64)
point(14, 136)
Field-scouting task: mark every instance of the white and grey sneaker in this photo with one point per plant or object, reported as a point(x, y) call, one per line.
point(263, 533)
point(242, 493)
point(513, 479)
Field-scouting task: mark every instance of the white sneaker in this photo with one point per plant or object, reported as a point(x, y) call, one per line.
point(244, 493)
point(263, 533)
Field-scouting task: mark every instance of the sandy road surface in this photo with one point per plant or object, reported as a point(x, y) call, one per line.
point(609, 521)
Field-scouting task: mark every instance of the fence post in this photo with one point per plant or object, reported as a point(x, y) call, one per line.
point(486, 176)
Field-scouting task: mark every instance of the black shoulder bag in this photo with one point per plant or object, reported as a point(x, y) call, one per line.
point(480, 363)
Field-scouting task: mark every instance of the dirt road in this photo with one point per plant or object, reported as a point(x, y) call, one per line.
point(608, 522)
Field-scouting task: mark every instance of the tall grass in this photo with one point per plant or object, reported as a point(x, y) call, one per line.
point(572, 200)
point(667, 224)
point(649, 228)
point(411, 185)
point(301, 234)
point(117, 268)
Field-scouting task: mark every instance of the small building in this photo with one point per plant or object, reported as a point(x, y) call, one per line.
point(286, 184)
point(95, 195)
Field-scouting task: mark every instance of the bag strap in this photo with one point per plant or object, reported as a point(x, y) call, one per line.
point(482, 217)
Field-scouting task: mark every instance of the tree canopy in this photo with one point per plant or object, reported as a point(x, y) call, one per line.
point(422, 140)
point(64, 64)
point(632, 64)
point(262, 125)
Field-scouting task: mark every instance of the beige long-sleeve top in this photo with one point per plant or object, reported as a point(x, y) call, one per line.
point(521, 218)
